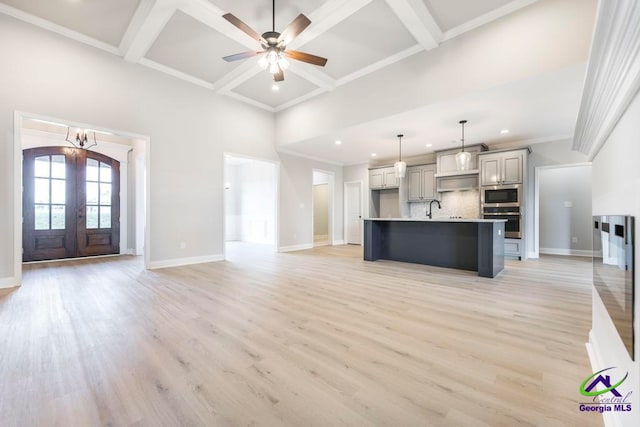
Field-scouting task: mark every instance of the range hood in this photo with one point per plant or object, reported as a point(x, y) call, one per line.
point(449, 178)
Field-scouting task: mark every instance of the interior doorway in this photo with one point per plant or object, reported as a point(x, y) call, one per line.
point(353, 212)
point(78, 201)
point(562, 219)
point(322, 204)
point(250, 204)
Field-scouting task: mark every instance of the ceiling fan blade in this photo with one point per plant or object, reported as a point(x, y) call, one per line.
point(279, 76)
point(239, 56)
point(306, 57)
point(297, 26)
point(243, 27)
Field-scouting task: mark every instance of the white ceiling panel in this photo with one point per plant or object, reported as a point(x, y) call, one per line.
point(371, 34)
point(189, 46)
point(103, 20)
point(451, 13)
point(257, 13)
point(260, 89)
point(535, 109)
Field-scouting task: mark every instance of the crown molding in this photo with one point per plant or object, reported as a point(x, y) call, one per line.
point(613, 74)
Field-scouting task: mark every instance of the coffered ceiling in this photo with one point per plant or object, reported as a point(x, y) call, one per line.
point(188, 38)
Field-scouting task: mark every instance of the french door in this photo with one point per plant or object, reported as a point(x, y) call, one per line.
point(71, 204)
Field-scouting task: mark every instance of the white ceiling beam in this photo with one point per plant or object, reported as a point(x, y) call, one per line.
point(211, 16)
point(418, 20)
point(326, 16)
point(487, 18)
point(147, 23)
point(239, 75)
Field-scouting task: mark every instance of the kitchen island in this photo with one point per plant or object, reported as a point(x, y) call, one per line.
point(465, 244)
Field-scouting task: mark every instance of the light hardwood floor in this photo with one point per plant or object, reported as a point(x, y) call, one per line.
point(310, 338)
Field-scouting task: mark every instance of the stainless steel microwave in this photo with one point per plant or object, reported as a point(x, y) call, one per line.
point(501, 195)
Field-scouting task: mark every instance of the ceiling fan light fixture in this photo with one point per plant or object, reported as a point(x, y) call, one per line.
point(274, 57)
point(283, 63)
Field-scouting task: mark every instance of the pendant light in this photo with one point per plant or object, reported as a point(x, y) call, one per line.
point(463, 158)
point(400, 167)
point(81, 139)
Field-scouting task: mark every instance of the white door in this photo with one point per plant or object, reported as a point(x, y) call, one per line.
point(354, 214)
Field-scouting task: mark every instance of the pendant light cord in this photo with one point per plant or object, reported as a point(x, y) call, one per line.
point(273, 16)
point(400, 154)
point(462, 122)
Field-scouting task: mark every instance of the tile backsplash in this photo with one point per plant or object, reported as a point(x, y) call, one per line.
point(465, 204)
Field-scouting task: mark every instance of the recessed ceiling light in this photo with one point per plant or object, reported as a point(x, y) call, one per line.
point(373, 154)
point(504, 131)
point(275, 88)
point(429, 145)
point(338, 142)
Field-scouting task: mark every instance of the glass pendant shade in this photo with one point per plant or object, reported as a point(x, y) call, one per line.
point(463, 159)
point(400, 168)
point(263, 62)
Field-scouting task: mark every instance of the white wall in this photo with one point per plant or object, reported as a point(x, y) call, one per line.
point(296, 196)
point(189, 128)
point(565, 210)
point(256, 201)
point(616, 184)
point(233, 210)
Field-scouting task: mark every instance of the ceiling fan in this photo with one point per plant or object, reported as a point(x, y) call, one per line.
point(274, 45)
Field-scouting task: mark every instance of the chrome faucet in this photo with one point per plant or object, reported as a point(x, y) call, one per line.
point(430, 207)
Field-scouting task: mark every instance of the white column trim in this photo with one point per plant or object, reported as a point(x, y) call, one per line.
point(613, 74)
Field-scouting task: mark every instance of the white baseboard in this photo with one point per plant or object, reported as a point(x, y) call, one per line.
point(533, 255)
point(296, 247)
point(320, 237)
point(177, 262)
point(571, 252)
point(338, 242)
point(9, 282)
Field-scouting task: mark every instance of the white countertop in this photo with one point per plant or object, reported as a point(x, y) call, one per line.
point(444, 219)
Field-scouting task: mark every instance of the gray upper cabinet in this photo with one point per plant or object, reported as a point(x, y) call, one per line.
point(383, 178)
point(447, 160)
point(502, 168)
point(421, 181)
point(390, 180)
point(376, 179)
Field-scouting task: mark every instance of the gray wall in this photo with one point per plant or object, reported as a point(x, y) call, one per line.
point(545, 154)
point(565, 210)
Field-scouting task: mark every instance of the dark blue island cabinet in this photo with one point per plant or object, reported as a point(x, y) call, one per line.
point(465, 244)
